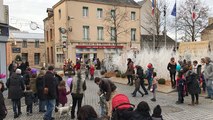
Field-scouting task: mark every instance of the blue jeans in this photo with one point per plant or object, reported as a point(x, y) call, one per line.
point(42, 104)
point(50, 107)
point(16, 104)
point(209, 86)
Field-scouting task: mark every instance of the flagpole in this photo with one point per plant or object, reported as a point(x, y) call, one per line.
point(176, 27)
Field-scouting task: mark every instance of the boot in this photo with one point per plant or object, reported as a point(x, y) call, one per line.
point(72, 114)
point(197, 102)
point(192, 104)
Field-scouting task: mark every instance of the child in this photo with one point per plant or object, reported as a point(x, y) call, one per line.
point(92, 71)
point(154, 86)
point(157, 113)
point(149, 75)
point(180, 87)
point(139, 74)
point(29, 97)
point(62, 93)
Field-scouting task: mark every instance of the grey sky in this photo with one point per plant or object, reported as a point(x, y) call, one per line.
point(23, 11)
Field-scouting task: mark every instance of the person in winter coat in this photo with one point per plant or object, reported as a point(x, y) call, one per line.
point(29, 97)
point(33, 85)
point(139, 78)
point(142, 112)
point(171, 67)
point(157, 113)
point(87, 112)
point(78, 86)
point(208, 74)
point(3, 110)
point(15, 84)
point(109, 88)
point(92, 72)
point(62, 93)
point(40, 90)
point(50, 92)
point(130, 71)
point(149, 75)
point(193, 87)
point(202, 78)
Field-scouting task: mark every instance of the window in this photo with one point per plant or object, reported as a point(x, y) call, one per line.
point(59, 13)
point(100, 31)
point(60, 58)
point(132, 15)
point(24, 56)
point(52, 55)
point(86, 32)
point(48, 55)
point(47, 36)
point(24, 44)
point(85, 11)
point(36, 58)
point(99, 13)
point(112, 33)
point(133, 34)
point(36, 43)
point(51, 34)
point(112, 13)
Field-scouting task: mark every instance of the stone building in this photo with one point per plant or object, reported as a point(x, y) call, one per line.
point(80, 29)
point(4, 33)
point(207, 33)
point(29, 46)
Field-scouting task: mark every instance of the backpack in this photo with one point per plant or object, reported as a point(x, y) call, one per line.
point(121, 107)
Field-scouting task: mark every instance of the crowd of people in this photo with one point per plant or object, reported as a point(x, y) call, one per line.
point(48, 90)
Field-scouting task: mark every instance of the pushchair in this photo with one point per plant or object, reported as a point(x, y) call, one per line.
point(122, 109)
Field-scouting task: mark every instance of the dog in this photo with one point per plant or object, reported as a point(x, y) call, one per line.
point(64, 110)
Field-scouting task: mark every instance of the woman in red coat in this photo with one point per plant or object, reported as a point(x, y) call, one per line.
point(92, 71)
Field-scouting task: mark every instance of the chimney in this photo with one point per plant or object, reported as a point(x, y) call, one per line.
point(210, 20)
point(50, 12)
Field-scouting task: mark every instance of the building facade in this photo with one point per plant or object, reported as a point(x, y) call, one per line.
point(29, 46)
point(4, 33)
point(89, 29)
point(207, 33)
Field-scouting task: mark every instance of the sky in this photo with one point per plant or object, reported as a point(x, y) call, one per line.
point(22, 12)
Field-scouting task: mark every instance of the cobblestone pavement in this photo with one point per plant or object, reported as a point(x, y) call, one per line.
point(171, 111)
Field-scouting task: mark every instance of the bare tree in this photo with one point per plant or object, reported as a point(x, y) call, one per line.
point(189, 26)
point(116, 18)
point(156, 22)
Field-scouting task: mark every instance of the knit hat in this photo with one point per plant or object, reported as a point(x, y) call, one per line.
point(157, 111)
point(18, 71)
point(149, 65)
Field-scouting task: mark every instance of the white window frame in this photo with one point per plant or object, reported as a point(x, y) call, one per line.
point(85, 32)
point(112, 33)
point(100, 33)
point(85, 11)
point(113, 13)
point(99, 13)
point(133, 34)
point(133, 15)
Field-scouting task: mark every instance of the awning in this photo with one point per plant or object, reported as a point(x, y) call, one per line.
point(98, 47)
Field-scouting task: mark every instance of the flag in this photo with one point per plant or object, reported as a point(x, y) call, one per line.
point(153, 7)
point(164, 11)
point(193, 13)
point(174, 11)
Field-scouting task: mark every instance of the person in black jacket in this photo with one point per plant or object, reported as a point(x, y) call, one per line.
point(15, 85)
point(109, 88)
point(40, 89)
point(142, 112)
point(139, 78)
point(172, 70)
point(50, 92)
point(3, 110)
point(29, 97)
